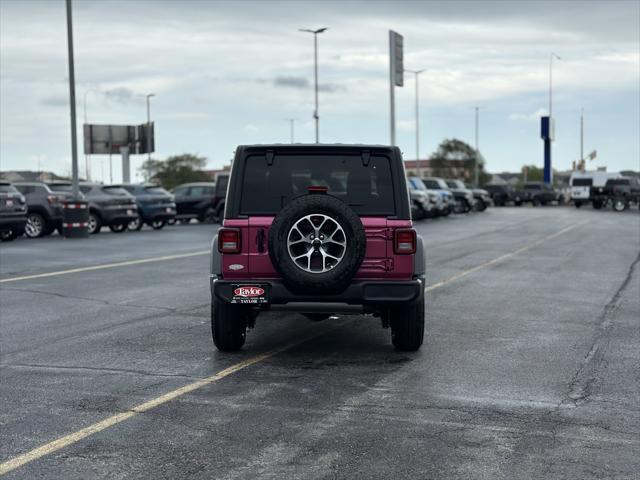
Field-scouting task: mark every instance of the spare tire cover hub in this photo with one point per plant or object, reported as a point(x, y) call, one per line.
point(316, 243)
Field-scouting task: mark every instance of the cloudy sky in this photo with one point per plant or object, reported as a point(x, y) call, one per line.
point(229, 73)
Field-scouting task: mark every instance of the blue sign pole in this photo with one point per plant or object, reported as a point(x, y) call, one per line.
point(547, 132)
point(547, 161)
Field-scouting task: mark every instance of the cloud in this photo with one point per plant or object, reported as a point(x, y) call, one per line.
point(122, 95)
point(291, 82)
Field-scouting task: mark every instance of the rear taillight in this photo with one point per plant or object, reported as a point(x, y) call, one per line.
point(229, 240)
point(404, 242)
point(53, 199)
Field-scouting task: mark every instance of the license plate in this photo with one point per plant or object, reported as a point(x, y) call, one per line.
point(9, 203)
point(254, 293)
point(169, 209)
point(129, 212)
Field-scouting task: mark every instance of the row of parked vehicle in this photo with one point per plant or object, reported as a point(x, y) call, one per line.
point(35, 208)
point(437, 197)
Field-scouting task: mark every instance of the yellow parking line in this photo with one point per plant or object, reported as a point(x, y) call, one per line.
point(75, 437)
point(106, 265)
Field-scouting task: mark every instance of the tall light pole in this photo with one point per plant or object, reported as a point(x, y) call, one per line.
point(416, 73)
point(292, 122)
point(149, 134)
point(72, 102)
point(86, 121)
point(315, 71)
point(551, 57)
point(476, 168)
point(581, 135)
point(149, 124)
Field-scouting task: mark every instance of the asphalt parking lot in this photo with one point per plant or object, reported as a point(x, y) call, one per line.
point(530, 367)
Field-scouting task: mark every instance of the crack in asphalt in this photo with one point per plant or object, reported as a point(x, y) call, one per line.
point(89, 299)
point(581, 384)
point(99, 369)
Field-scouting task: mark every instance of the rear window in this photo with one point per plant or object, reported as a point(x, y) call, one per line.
point(433, 184)
point(118, 191)
point(617, 181)
point(157, 190)
point(417, 184)
point(366, 189)
point(8, 189)
point(62, 187)
point(582, 182)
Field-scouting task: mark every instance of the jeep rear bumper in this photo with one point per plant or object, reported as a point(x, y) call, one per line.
point(359, 292)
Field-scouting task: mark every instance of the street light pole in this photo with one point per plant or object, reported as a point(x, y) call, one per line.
point(86, 121)
point(149, 124)
point(149, 134)
point(417, 111)
point(476, 166)
point(581, 135)
point(292, 122)
point(72, 102)
point(316, 115)
point(551, 82)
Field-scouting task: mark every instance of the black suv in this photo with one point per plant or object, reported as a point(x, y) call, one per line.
point(13, 212)
point(201, 200)
point(500, 194)
point(537, 193)
point(318, 230)
point(44, 206)
point(465, 200)
point(619, 192)
point(110, 206)
point(155, 206)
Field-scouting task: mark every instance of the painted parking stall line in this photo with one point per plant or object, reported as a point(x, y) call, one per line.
point(81, 434)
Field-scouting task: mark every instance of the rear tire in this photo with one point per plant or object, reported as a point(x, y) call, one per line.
point(118, 227)
point(135, 225)
point(620, 204)
point(36, 226)
point(158, 224)
point(95, 223)
point(228, 326)
point(407, 326)
point(578, 204)
point(8, 236)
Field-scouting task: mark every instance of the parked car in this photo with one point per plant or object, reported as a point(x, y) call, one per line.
point(13, 212)
point(619, 193)
point(340, 241)
point(465, 201)
point(500, 194)
point(537, 193)
point(155, 206)
point(584, 185)
point(421, 203)
point(204, 201)
point(109, 205)
point(44, 207)
point(439, 203)
point(481, 197)
point(439, 186)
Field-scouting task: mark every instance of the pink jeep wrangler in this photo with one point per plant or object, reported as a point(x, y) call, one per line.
point(319, 230)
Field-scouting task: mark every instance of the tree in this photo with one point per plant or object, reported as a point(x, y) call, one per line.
point(175, 170)
point(456, 159)
point(531, 173)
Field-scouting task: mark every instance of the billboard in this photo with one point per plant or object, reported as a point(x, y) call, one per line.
point(107, 139)
point(397, 62)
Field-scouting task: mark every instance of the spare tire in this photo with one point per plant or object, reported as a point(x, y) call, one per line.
point(317, 243)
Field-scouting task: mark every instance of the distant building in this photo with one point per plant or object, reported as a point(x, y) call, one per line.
point(213, 173)
point(29, 176)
